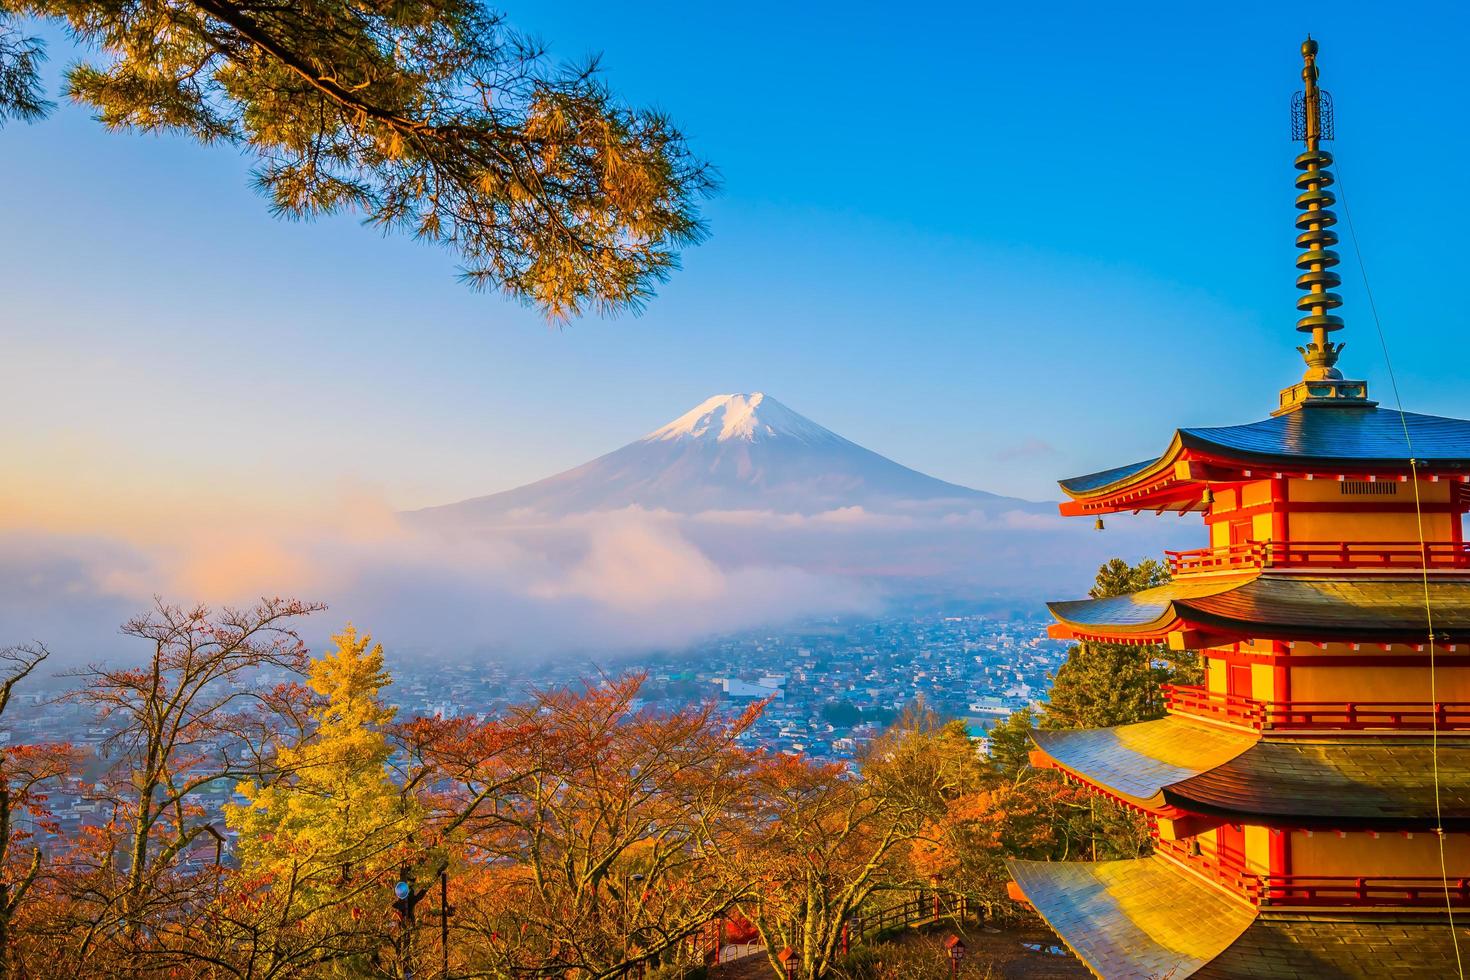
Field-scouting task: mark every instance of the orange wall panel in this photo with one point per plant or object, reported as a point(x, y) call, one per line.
point(1324, 853)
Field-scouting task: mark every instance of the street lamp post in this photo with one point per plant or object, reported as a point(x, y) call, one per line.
point(955, 947)
point(444, 913)
point(404, 901)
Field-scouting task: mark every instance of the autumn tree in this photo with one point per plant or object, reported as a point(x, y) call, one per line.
point(427, 116)
point(923, 761)
point(1005, 808)
point(324, 837)
point(1103, 684)
point(591, 858)
point(198, 716)
point(1034, 815)
point(816, 841)
point(27, 774)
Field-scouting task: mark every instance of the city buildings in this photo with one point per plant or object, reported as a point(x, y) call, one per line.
point(835, 684)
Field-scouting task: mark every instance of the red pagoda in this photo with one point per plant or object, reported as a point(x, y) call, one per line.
point(1310, 801)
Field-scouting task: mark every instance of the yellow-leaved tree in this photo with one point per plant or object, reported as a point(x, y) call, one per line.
point(321, 848)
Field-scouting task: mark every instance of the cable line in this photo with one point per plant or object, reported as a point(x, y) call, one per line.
point(1424, 572)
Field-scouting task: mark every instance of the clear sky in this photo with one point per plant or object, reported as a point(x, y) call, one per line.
point(998, 243)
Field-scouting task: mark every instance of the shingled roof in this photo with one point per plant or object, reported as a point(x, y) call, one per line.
point(1139, 918)
point(1345, 782)
point(1150, 918)
point(1283, 946)
point(1319, 436)
point(1136, 762)
point(1282, 606)
point(1332, 783)
point(1331, 435)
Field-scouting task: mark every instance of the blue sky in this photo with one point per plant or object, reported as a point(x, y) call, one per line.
point(999, 244)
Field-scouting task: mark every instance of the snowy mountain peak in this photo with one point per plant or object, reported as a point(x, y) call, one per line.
point(733, 453)
point(742, 418)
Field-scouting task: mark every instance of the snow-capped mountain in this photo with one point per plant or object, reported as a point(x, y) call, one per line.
point(743, 418)
point(733, 452)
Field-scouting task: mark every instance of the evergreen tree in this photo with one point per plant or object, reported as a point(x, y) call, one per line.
point(1010, 742)
point(1103, 684)
point(325, 843)
point(427, 116)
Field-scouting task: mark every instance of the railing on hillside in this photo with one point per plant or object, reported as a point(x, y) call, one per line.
point(1374, 555)
point(718, 941)
point(1308, 716)
point(1322, 891)
point(926, 907)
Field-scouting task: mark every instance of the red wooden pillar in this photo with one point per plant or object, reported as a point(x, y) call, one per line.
point(1279, 859)
point(1280, 526)
point(1281, 672)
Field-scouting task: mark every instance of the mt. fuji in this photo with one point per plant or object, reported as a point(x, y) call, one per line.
point(745, 452)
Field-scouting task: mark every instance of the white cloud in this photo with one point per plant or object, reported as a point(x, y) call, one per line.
point(595, 582)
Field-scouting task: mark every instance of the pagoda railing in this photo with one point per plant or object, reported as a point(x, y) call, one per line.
point(1307, 716)
point(1349, 891)
point(1325, 891)
point(1375, 555)
point(1420, 716)
point(1204, 703)
point(1221, 872)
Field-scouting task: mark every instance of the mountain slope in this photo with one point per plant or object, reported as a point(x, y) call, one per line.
point(733, 452)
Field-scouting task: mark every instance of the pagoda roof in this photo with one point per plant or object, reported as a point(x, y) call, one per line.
point(1139, 918)
point(1351, 780)
point(1332, 434)
point(1150, 918)
point(1180, 764)
point(1296, 946)
point(1313, 438)
point(1277, 606)
point(1136, 762)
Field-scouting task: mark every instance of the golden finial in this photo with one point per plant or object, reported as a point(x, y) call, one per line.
point(1312, 123)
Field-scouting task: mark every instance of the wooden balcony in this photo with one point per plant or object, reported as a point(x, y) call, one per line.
point(1345, 891)
point(1377, 556)
point(1223, 873)
point(1317, 716)
point(1203, 703)
point(1321, 891)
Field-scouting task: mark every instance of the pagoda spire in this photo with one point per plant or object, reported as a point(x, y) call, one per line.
point(1312, 123)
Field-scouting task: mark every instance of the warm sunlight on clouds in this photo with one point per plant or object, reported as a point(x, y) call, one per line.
point(78, 559)
point(73, 566)
point(637, 563)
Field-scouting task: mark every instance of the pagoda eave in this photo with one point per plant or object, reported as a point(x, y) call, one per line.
point(1194, 612)
point(1311, 444)
point(1138, 918)
point(1203, 632)
point(1135, 763)
point(1152, 917)
point(1175, 767)
point(1180, 815)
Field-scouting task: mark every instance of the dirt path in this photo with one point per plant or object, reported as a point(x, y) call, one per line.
point(1005, 953)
